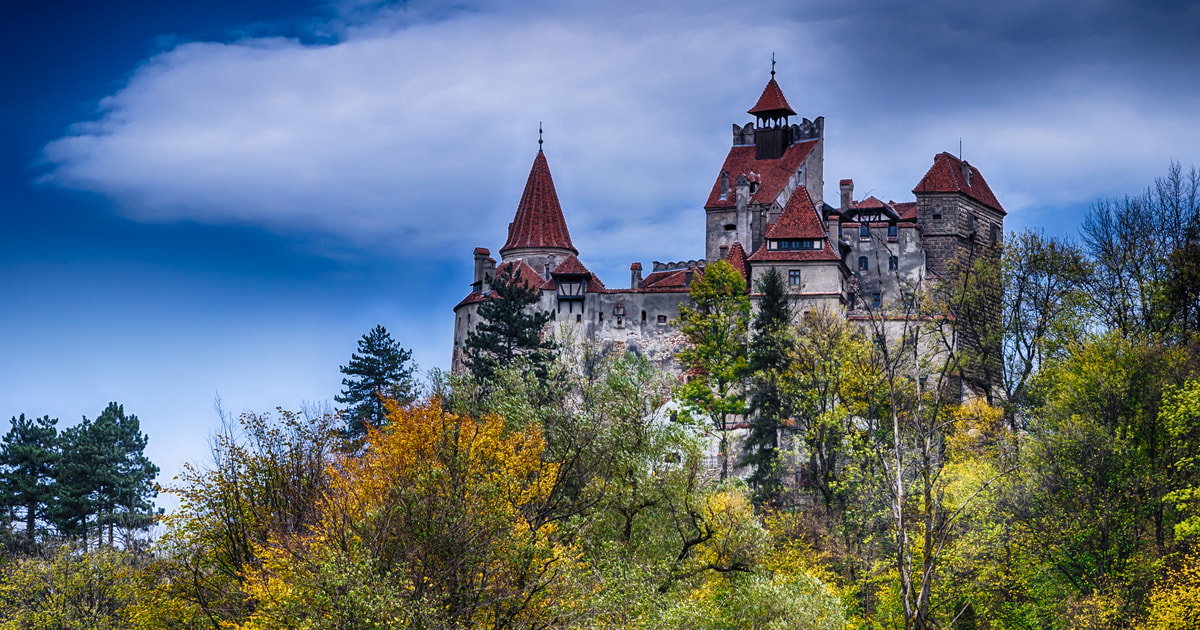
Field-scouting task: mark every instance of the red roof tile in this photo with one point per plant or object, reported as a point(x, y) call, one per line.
point(771, 102)
point(737, 258)
point(803, 255)
point(539, 221)
point(907, 210)
point(666, 280)
point(570, 266)
point(773, 174)
point(946, 176)
point(799, 218)
point(871, 202)
point(483, 251)
point(524, 273)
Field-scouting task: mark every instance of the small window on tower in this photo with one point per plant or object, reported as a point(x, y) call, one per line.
point(729, 227)
point(864, 232)
point(794, 278)
point(863, 264)
point(893, 231)
point(643, 317)
point(662, 320)
point(893, 263)
point(876, 300)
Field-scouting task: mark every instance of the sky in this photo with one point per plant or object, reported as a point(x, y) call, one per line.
point(211, 200)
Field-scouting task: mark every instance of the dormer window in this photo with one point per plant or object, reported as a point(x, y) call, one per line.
point(809, 244)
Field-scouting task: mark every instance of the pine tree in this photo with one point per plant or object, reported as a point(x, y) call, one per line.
point(381, 370)
point(509, 330)
point(104, 476)
point(28, 455)
point(770, 348)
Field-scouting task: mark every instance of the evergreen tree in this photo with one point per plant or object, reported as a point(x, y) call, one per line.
point(28, 455)
point(381, 370)
point(769, 355)
point(104, 476)
point(509, 330)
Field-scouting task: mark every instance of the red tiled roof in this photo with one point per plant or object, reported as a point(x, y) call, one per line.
point(803, 255)
point(871, 202)
point(771, 102)
point(774, 174)
point(737, 258)
point(676, 279)
point(846, 182)
point(570, 266)
point(483, 251)
point(907, 210)
point(946, 176)
point(799, 218)
point(524, 273)
point(539, 221)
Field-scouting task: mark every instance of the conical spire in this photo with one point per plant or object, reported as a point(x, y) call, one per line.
point(772, 103)
point(539, 223)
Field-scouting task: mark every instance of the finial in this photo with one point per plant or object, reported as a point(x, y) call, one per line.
point(772, 64)
point(539, 136)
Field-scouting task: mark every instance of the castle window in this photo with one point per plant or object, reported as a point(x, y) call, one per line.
point(864, 232)
point(578, 317)
point(795, 244)
point(794, 277)
point(863, 264)
point(600, 316)
point(893, 231)
point(876, 300)
point(995, 237)
point(662, 320)
point(893, 263)
point(643, 317)
point(729, 227)
point(619, 308)
point(937, 217)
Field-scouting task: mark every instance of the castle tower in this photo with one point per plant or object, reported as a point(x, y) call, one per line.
point(762, 170)
point(538, 233)
point(959, 217)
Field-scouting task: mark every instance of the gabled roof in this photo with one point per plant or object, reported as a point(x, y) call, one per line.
point(906, 210)
point(659, 281)
point(947, 175)
point(572, 267)
point(524, 273)
point(771, 102)
point(799, 218)
point(539, 222)
point(737, 258)
point(773, 174)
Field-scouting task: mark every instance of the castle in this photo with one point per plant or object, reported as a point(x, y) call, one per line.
point(765, 210)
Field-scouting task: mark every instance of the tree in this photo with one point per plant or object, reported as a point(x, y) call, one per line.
point(104, 477)
point(770, 355)
point(1142, 251)
point(509, 329)
point(29, 456)
point(381, 370)
point(715, 353)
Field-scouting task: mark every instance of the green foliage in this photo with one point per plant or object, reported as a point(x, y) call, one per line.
point(104, 589)
point(381, 370)
point(770, 356)
point(509, 330)
point(715, 353)
point(104, 478)
point(28, 457)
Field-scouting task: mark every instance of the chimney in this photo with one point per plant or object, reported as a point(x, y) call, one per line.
point(485, 270)
point(847, 186)
point(635, 275)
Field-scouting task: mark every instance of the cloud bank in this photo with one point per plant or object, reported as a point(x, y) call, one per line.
point(411, 129)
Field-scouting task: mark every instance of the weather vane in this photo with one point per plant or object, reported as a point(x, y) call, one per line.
point(539, 136)
point(772, 64)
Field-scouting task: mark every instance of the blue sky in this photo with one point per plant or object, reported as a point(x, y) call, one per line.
point(218, 198)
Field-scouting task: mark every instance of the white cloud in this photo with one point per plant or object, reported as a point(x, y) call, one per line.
point(415, 130)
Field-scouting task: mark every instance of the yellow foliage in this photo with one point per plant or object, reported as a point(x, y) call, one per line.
point(1175, 601)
